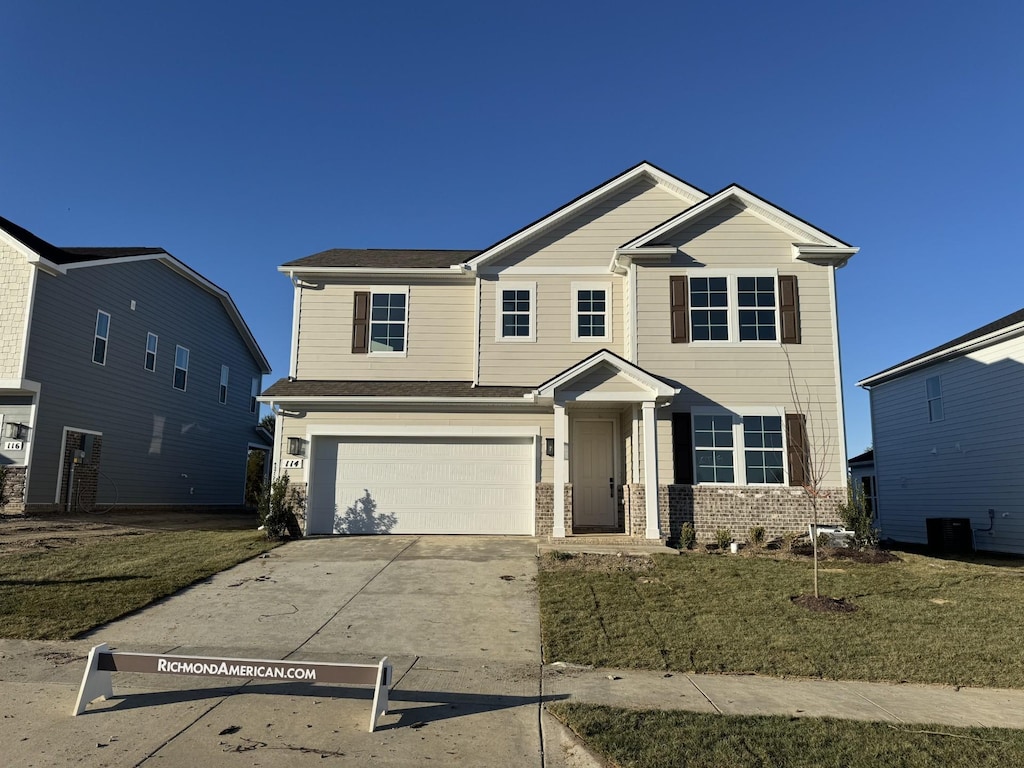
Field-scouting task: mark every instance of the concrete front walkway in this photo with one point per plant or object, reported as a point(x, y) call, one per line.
point(458, 618)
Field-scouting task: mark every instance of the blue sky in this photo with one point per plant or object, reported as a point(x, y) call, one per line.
point(239, 136)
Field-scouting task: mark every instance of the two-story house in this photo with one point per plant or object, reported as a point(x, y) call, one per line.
point(644, 356)
point(127, 379)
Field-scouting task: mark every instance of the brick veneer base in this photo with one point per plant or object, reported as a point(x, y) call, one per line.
point(14, 491)
point(738, 509)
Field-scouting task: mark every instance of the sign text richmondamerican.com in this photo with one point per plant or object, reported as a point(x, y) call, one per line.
point(223, 669)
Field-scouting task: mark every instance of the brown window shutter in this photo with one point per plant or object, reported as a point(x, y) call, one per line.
point(361, 323)
point(682, 449)
point(798, 450)
point(789, 309)
point(680, 299)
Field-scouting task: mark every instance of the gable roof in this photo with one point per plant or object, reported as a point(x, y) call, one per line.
point(1006, 327)
point(60, 260)
point(676, 186)
point(813, 240)
point(383, 258)
point(601, 358)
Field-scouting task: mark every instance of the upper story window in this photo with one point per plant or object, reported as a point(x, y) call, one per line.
point(151, 342)
point(380, 322)
point(254, 392)
point(517, 312)
point(591, 311)
point(223, 395)
point(180, 367)
point(743, 307)
point(99, 344)
point(933, 387)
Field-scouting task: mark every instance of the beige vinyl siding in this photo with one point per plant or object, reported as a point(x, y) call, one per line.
point(15, 277)
point(961, 466)
point(589, 238)
point(743, 373)
point(439, 334)
point(519, 363)
point(439, 416)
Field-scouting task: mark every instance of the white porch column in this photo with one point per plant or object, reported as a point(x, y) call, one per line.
point(651, 470)
point(561, 469)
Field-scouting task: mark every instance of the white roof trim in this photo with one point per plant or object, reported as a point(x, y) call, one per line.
point(187, 272)
point(1003, 334)
point(676, 186)
point(455, 270)
point(640, 377)
point(33, 258)
point(623, 258)
point(823, 254)
point(526, 399)
point(749, 202)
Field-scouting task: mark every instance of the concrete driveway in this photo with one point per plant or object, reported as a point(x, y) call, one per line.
point(456, 615)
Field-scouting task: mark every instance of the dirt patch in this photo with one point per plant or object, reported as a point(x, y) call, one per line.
point(869, 556)
point(48, 532)
point(585, 561)
point(822, 604)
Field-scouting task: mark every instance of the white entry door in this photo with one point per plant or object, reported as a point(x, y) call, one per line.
point(593, 474)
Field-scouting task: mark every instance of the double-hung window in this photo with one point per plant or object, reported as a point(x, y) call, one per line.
point(151, 343)
point(591, 311)
point(380, 322)
point(744, 307)
point(734, 448)
point(517, 312)
point(180, 367)
point(223, 395)
point(99, 343)
point(933, 388)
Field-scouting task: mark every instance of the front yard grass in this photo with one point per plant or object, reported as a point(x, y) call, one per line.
point(653, 739)
point(920, 620)
point(58, 594)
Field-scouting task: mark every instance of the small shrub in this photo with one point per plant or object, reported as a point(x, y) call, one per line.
point(858, 517)
point(824, 540)
point(756, 536)
point(559, 555)
point(723, 538)
point(277, 509)
point(789, 539)
point(687, 536)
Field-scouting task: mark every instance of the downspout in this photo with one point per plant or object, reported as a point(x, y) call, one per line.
point(296, 308)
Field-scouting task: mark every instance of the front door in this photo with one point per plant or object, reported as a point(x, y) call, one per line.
point(593, 475)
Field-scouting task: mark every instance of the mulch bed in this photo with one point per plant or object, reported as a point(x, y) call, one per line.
point(823, 604)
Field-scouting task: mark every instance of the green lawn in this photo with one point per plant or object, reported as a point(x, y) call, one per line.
point(650, 739)
point(58, 594)
point(921, 620)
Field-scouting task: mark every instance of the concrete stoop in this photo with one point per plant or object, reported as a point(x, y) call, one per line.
point(605, 544)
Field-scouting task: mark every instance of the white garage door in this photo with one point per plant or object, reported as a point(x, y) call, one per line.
point(422, 485)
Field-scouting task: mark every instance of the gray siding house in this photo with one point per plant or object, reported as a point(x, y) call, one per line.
point(624, 365)
point(126, 380)
point(948, 434)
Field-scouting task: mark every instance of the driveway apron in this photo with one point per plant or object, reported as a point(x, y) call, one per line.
point(457, 616)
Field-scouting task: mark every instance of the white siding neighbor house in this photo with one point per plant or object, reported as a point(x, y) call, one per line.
point(127, 379)
point(948, 434)
point(625, 364)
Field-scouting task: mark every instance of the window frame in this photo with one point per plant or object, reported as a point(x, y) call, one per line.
point(499, 320)
point(184, 382)
point(733, 308)
point(574, 297)
point(222, 393)
point(932, 399)
point(156, 344)
point(388, 291)
point(254, 392)
point(739, 447)
point(97, 338)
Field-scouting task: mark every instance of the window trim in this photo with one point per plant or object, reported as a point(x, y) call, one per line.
point(574, 313)
point(156, 344)
point(174, 380)
point(929, 399)
point(733, 308)
point(222, 393)
point(738, 444)
point(380, 291)
point(254, 392)
point(499, 316)
point(104, 338)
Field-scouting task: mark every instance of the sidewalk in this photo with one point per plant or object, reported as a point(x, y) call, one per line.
point(754, 695)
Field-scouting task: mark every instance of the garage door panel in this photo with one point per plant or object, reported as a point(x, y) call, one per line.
point(423, 485)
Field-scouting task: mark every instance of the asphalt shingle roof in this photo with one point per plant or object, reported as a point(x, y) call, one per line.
point(384, 258)
point(57, 255)
point(303, 388)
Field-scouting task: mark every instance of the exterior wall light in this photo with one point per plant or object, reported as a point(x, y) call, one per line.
point(296, 446)
point(549, 446)
point(13, 430)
